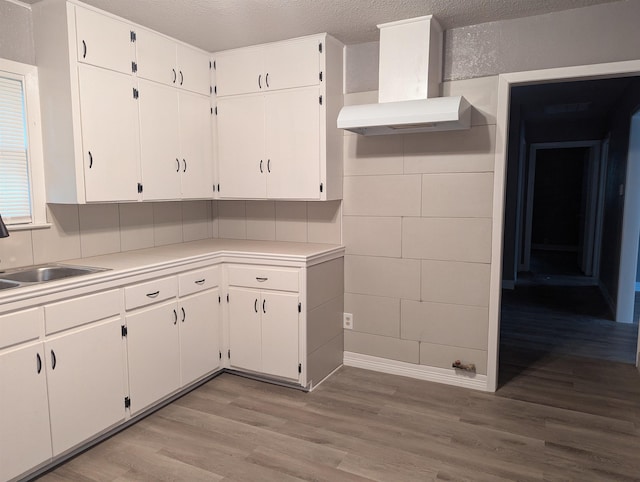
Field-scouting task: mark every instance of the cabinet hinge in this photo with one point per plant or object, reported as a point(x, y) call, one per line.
point(127, 402)
point(133, 36)
point(139, 188)
point(229, 354)
point(219, 299)
point(220, 353)
point(320, 76)
point(321, 187)
point(299, 367)
point(136, 93)
point(123, 330)
point(212, 111)
point(227, 297)
point(134, 67)
point(210, 65)
point(299, 307)
point(320, 100)
point(215, 89)
point(320, 47)
point(218, 184)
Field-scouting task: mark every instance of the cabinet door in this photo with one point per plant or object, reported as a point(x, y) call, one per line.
point(24, 412)
point(240, 71)
point(199, 335)
point(103, 41)
point(193, 70)
point(245, 337)
point(280, 334)
point(156, 57)
point(109, 135)
point(195, 146)
point(85, 379)
point(159, 145)
point(294, 63)
point(153, 349)
point(293, 144)
point(241, 161)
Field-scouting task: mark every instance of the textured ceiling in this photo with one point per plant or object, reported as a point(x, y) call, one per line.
point(222, 24)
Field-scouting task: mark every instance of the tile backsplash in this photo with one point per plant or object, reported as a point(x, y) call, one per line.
point(95, 229)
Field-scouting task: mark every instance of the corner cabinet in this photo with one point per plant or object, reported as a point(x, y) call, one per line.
point(103, 142)
point(277, 106)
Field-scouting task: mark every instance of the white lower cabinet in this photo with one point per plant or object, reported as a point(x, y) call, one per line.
point(199, 335)
point(153, 348)
point(25, 439)
point(171, 341)
point(85, 382)
point(263, 332)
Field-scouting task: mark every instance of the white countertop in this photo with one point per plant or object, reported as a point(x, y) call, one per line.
point(150, 260)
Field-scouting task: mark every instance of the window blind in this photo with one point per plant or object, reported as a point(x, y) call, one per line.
point(15, 195)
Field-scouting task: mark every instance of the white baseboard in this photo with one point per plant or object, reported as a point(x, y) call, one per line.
point(449, 376)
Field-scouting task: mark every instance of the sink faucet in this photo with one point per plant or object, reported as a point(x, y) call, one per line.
point(4, 232)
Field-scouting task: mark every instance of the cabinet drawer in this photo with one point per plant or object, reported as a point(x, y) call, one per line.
point(20, 327)
point(151, 292)
point(285, 279)
point(198, 280)
point(78, 311)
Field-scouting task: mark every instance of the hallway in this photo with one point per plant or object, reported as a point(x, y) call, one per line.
point(542, 321)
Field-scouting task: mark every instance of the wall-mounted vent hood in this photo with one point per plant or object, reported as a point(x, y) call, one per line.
point(410, 74)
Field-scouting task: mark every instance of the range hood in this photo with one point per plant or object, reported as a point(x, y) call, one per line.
point(410, 73)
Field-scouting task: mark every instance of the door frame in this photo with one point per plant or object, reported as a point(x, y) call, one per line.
point(591, 222)
point(630, 227)
point(505, 83)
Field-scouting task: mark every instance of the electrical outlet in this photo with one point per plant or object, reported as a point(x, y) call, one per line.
point(347, 321)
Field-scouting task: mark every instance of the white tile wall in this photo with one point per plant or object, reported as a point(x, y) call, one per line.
point(417, 230)
point(99, 229)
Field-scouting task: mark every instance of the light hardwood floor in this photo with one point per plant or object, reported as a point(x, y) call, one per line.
point(560, 418)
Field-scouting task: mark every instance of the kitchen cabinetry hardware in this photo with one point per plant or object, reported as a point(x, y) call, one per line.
point(123, 331)
point(261, 279)
point(264, 309)
point(38, 363)
point(136, 93)
point(185, 165)
point(260, 81)
point(175, 317)
point(133, 36)
point(321, 187)
point(54, 361)
point(153, 294)
point(184, 314)
point(320, 47)
point(84, 49)
point(255, 305)
point(320, 100)
point(178, 165)
point(227, 297)
point(175, 76)
point(127, 402)
point(299, 367)
point(320, 76)
point(181, 78)
point(299, 307)
point(139, 188)
point(134, 67)
point(268, 165)
point(261, 166)
point(199, 281)
point(90, 160)
point(266, 79)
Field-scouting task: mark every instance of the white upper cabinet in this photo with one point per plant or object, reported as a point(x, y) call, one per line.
point(294, 63)
point(104, 41)
point(109, 112)
point(277, 107)
point(164, 60)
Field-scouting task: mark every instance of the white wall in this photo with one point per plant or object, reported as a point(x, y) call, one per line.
point(16, 33)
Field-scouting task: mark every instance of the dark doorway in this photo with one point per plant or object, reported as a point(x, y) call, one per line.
point(555, 304)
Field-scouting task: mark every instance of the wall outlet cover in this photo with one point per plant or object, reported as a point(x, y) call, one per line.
point(347, 321)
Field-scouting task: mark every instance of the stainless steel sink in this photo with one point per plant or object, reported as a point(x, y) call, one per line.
point(41, 274)
point(8, 284)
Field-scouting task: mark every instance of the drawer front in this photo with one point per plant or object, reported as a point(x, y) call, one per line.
point(198, 280)
point(151, 292)
point(284, 279)
point(78, 311)
point(20, 327)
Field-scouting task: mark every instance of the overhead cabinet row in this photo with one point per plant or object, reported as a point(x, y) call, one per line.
point(131, 115)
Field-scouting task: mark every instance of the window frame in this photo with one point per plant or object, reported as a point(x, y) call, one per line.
point(28, 75)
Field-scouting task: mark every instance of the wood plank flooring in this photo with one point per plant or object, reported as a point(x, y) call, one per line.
point(560, 418)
